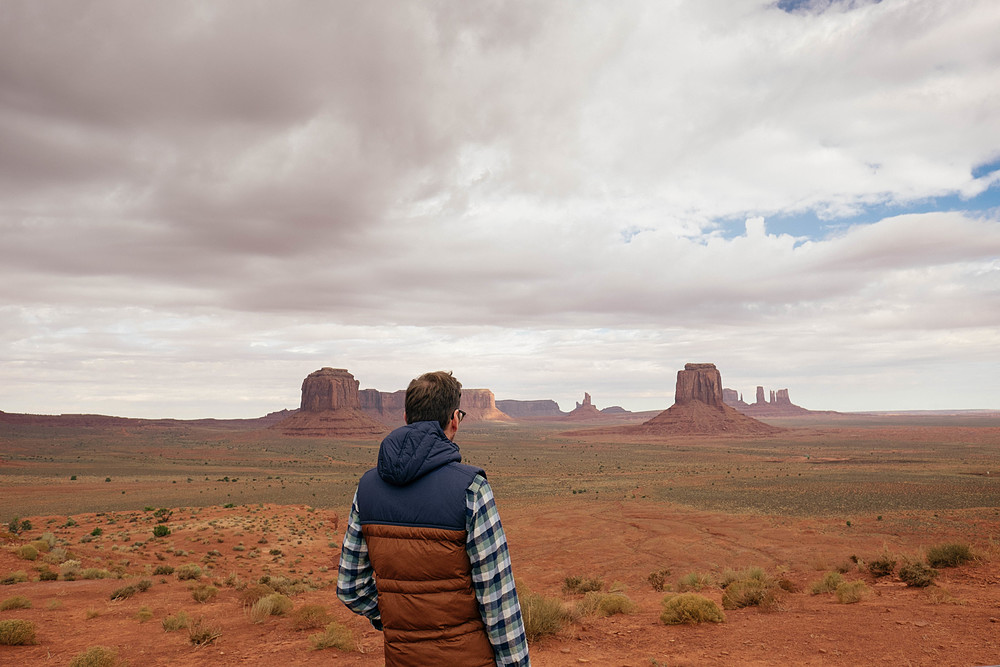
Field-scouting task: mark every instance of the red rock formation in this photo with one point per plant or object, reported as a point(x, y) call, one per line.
point(780, 404)
point(529, 409)
point(585, 410)
point(331, 407)
point(698, 409)
point(480, 405)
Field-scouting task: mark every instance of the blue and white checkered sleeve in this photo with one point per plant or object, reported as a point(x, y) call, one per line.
point(492, 577)
point(356, 578)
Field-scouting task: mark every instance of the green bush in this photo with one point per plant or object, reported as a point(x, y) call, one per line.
point(690, 608)
point(949, 555)
point(97, 656)
point(850, 592)
point(160, 531)
point(749, 573)
point(15, 602)
point(334, 636)
point(542, 615)
point(827, 584)
point(93, 573)
point(917, 575)
point(16, 632)
point(163, 569)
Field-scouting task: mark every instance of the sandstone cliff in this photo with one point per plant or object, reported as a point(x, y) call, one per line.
point(330, 407)
point(528, 409)
point(780, 404)
point(698, 409)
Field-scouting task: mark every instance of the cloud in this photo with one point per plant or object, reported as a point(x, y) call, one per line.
point(538, 194)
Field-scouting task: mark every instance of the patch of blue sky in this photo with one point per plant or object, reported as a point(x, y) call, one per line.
point(810, 226)
point(819, 6)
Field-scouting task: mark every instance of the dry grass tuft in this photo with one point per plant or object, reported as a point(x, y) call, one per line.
point(949, 555)
point(606, 604)
point(201, 633)
point(917, 575)
point(204, 592)
point(15, 602)
point(178, 621)
point(851, 592)
point(827, 584)
point(581, 585)
point(310, 617)
point(694, 581)
point(97, 656)
point(542, 615)
point(334, 636)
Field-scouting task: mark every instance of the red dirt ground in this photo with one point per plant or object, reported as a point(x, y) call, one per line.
point(620, 542)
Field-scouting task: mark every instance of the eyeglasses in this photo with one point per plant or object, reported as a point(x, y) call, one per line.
point(461, 416)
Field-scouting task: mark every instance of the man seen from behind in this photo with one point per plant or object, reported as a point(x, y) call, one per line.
point(425, 557)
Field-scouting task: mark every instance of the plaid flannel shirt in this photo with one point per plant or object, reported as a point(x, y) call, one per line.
point(492, 578)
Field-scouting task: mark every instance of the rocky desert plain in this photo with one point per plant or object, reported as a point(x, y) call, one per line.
point(157, 539)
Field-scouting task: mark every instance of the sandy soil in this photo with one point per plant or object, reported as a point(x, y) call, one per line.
point(620, 542)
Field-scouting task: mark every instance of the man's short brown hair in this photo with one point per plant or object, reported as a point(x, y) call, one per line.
point(433, 397)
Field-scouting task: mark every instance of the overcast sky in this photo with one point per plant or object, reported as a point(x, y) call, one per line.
point(203, 202)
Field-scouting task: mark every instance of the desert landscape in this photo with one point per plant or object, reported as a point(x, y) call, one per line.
point(169, 542)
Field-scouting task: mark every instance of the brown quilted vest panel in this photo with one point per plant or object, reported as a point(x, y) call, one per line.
point(429, 609)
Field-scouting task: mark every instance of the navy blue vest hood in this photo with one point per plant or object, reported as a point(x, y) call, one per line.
point(412, 451)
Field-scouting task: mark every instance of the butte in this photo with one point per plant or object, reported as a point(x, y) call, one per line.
point(331, 408)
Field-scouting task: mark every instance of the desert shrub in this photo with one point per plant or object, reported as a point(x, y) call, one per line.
point(16, 526)
point(748, 593)
point(16, 632)
point(16, 577)
point(690, 608)
point(144, 614)
point(255, 592)
point(949, 555)
point(163, 570)
point(694, 582)
point(542, 615)
point(334, 636)
point(41, 545)
point(97, 656)
point(15, 602)
point(310, 617)
point(93, 573)
point(606, 604)
point(49, 540)
point(582, 585)
point(749, 573)
point(27, 552)
point(188, 571)
point(92, 612)
point(69, 568)
point(882, 566)
point(204, 592)
point(658, 579)
point(850, 592)
point(274, 604)
point(178, 621)
point(56, 556)
point(160, 530)
point(917, 575)
point(201, 633)
point(938, 595)
point(45, 574)
point(827, 584)
point(124, 593)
